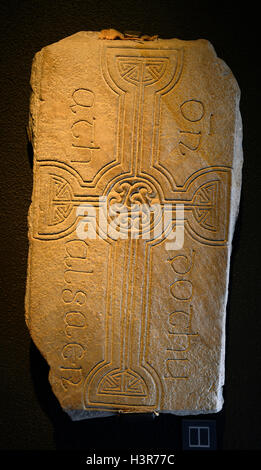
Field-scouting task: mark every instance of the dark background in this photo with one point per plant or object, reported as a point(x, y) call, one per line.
point(30, 417)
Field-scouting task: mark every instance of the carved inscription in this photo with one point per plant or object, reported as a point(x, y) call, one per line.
point(194, 122)
point(190, 138)
point(83, 127)
point(74, 299)
point(177, 363)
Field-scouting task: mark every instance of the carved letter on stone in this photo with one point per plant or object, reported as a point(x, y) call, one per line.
point(137, 179)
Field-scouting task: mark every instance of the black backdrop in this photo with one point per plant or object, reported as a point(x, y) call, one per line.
point(30, 417)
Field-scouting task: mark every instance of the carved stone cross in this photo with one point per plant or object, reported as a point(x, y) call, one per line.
point(137, 175)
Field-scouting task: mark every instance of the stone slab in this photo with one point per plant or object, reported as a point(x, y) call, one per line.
point(132, 324)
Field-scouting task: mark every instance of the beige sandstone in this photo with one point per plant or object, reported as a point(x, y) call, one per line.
point(129, 324)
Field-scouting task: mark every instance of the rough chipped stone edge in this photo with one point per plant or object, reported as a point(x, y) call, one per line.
point(79, 415)
point(235, 198)
point(35, 102)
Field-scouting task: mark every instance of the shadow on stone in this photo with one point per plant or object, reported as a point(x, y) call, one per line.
point(30, 154)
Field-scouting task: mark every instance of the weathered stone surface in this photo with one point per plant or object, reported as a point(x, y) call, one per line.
point(129, 324)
